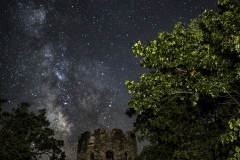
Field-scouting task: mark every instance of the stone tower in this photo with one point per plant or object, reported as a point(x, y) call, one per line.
point(104, 145)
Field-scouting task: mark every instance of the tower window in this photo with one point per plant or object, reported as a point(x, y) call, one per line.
point(125, 155)
point(109, 155)
point(92, 156)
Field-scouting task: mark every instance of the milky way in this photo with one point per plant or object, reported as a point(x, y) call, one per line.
point(73, 57)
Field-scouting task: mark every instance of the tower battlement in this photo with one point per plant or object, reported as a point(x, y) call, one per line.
point(102, 145)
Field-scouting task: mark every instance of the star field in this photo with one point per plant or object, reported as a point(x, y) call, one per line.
point(73, 57)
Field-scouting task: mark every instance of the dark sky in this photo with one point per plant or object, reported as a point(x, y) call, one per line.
point(72, 57)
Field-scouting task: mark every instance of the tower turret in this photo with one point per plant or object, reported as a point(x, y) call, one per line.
point(102, 145)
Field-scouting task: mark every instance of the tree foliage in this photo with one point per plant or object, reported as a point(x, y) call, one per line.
point(25, 135)
point(232, 135)
point(185, 104)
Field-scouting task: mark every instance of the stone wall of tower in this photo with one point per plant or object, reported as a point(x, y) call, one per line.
point(96, 145)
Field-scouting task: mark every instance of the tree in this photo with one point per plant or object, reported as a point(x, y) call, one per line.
point(184, 104)
point(231, 136)
point(25, 135)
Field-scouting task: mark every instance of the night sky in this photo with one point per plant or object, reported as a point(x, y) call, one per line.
point(73, 57)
